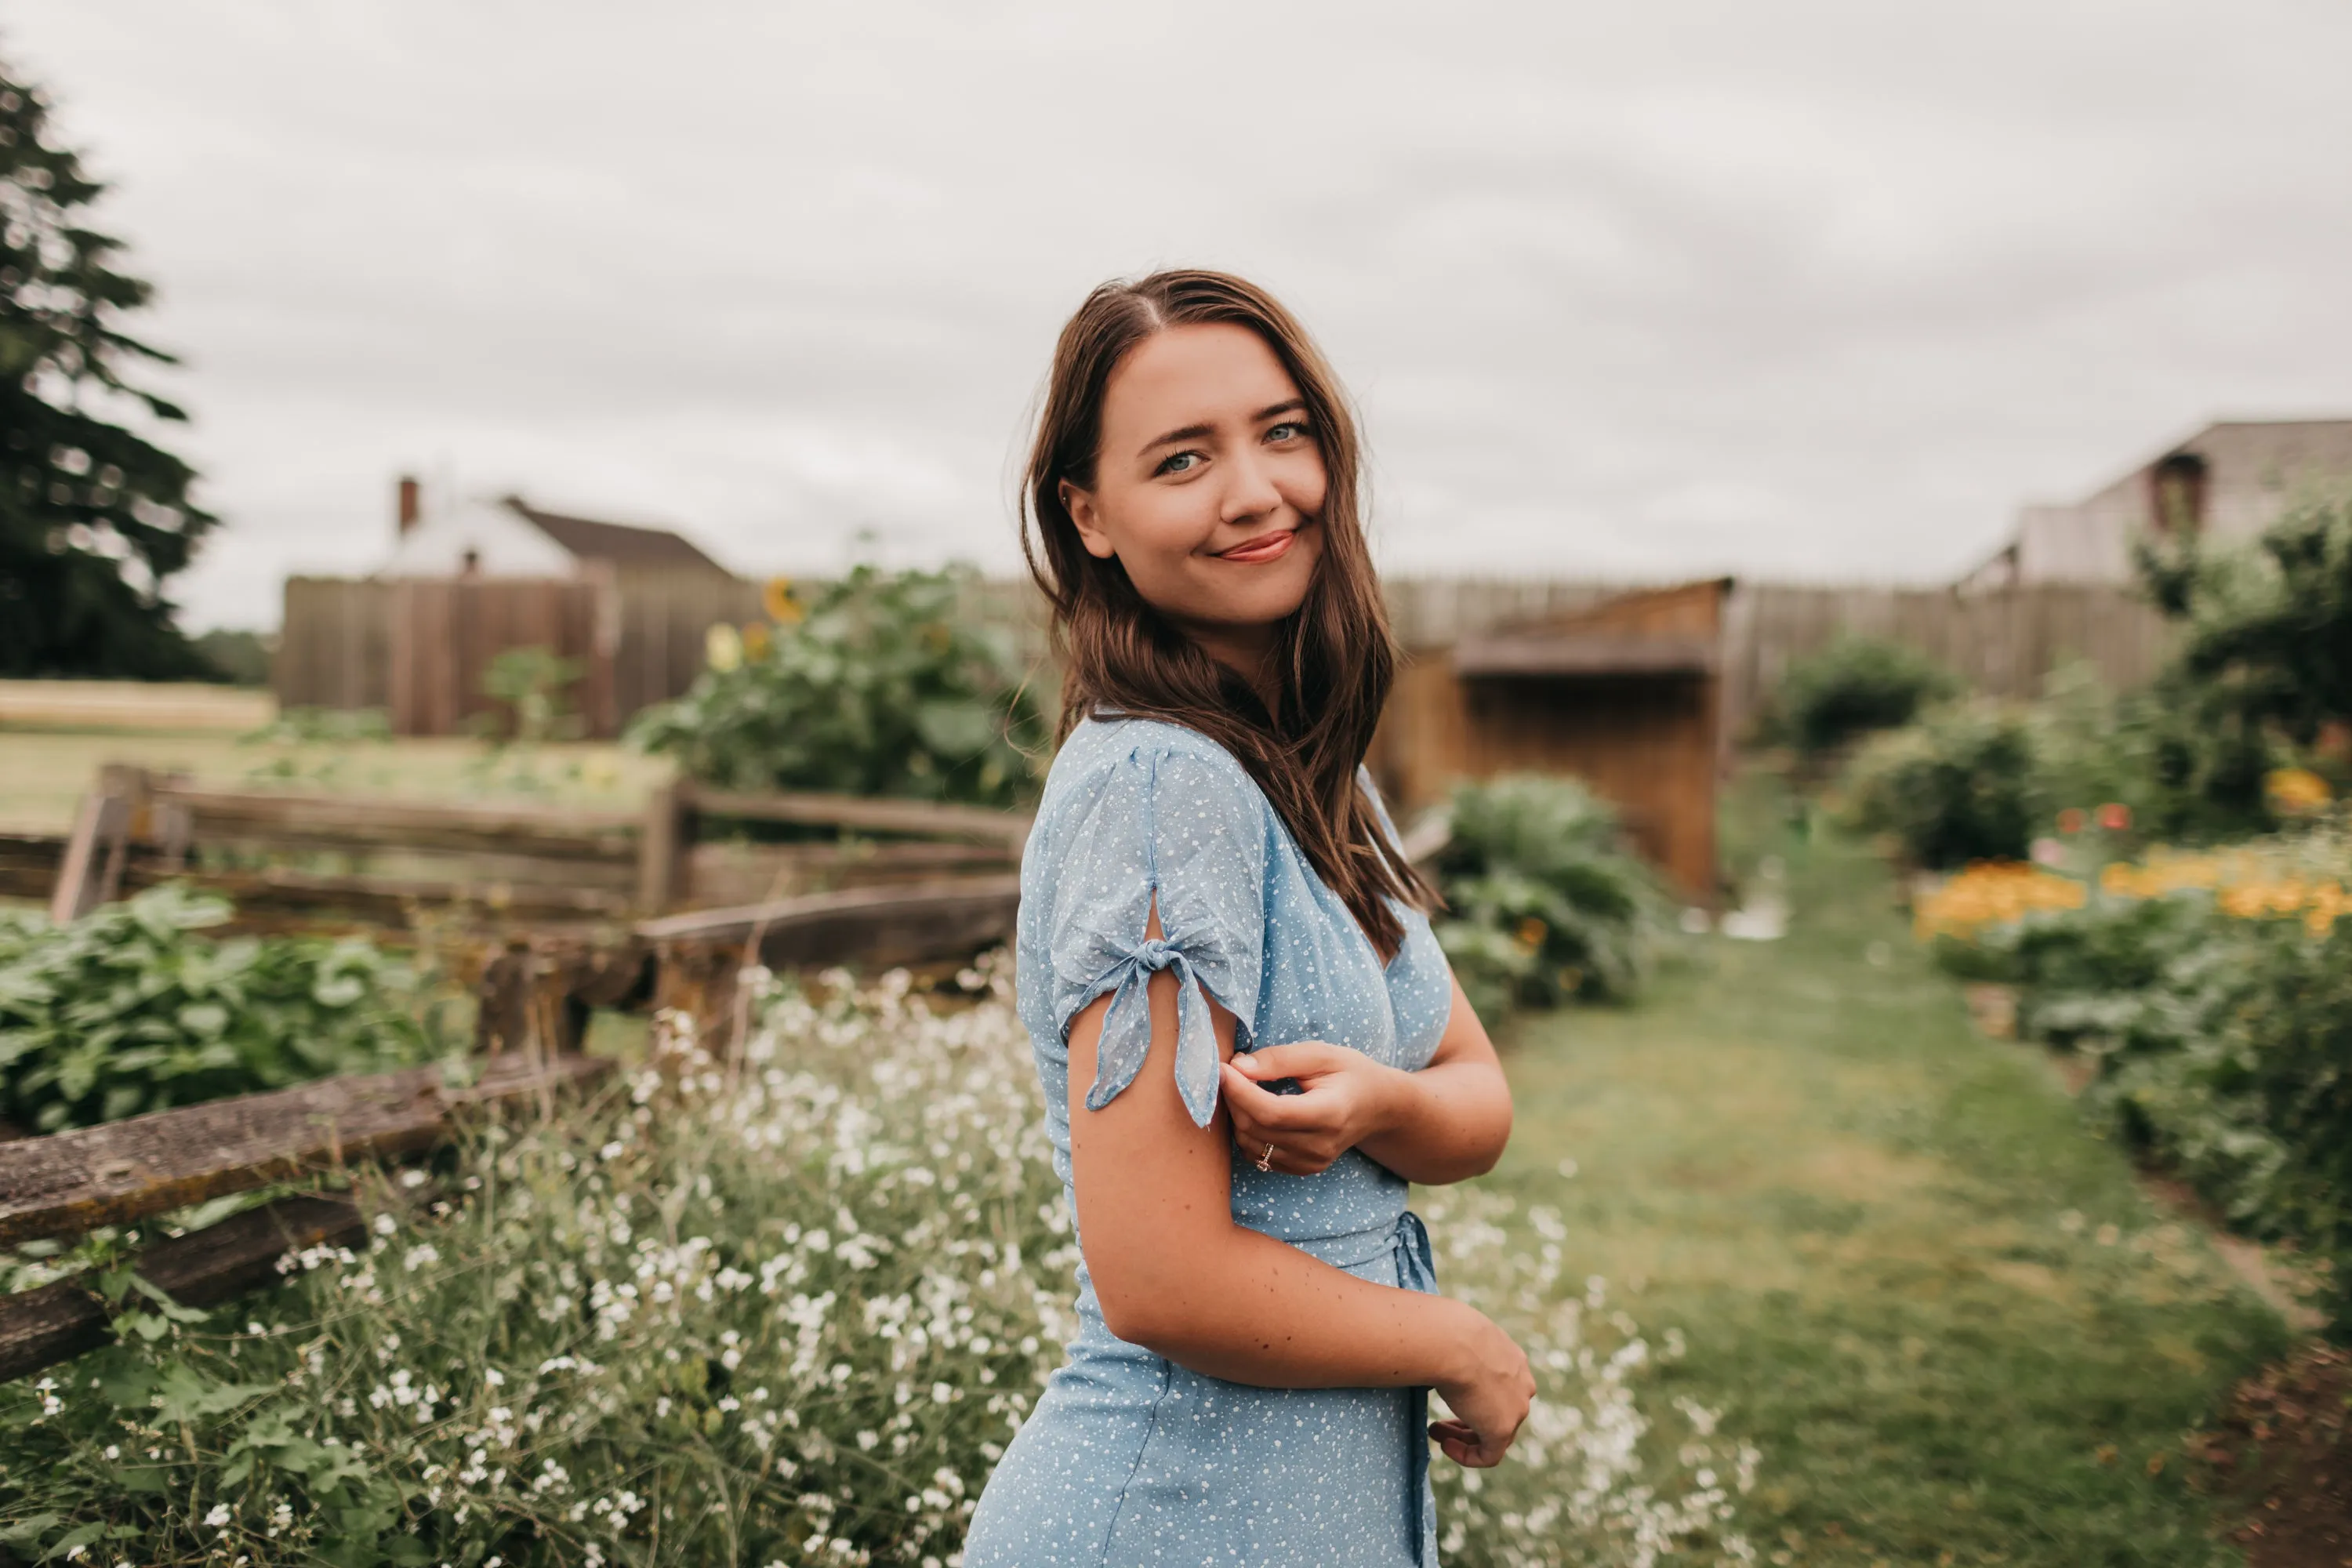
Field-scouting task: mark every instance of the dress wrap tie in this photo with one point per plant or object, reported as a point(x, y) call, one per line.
point(1417, 1271)
point(1127, 1033)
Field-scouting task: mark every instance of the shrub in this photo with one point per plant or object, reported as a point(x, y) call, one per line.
point(878, 688)
point(130, 1009)
point(787, 1313)
point(1959, 785)
point(2186, 773)
point(1854, 687)
point(2267, 629)
point(2214, 995)
point(1550, 901)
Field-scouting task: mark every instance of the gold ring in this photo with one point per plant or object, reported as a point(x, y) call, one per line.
point(1264, 1161)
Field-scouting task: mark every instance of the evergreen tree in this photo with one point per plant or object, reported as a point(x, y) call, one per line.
point(93, 518)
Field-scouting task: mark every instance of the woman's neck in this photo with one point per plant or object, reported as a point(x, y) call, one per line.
point(1250, 652)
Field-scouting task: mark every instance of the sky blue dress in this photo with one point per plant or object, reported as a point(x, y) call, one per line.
point(1128, 1458)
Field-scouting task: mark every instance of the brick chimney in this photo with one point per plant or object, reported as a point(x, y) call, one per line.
point(408, 509)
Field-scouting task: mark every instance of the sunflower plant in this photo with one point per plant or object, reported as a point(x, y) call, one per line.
point(878, 685)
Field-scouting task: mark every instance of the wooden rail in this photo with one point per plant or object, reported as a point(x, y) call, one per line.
point(72, 1181)
point(60, 1320)
point(699, 956)
point(75, 1181)
point(919, 819)
point(516, 861)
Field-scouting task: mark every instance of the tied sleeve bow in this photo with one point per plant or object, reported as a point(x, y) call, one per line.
point(1126, 1031)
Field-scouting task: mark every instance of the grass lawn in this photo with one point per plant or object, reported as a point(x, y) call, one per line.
point(54, 736)
point(1907, 1269)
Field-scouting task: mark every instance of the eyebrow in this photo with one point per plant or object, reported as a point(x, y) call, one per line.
point(1194, 432)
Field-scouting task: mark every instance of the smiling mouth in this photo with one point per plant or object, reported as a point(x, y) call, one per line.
point(1264, 548)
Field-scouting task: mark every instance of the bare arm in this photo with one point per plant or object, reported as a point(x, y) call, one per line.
point(1446, 1123)
point(1177, 1276)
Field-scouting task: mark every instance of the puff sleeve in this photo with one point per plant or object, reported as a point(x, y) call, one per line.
point(1192, 831)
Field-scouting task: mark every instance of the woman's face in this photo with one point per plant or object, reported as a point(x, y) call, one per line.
point(1209, 486)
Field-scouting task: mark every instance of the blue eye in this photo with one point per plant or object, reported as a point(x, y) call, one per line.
point(1168, 464)
point(1290, 429)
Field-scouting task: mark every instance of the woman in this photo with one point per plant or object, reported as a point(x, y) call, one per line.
point(1221, 950)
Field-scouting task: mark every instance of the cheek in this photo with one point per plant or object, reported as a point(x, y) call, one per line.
point(1304, 484)
point(1155, 531)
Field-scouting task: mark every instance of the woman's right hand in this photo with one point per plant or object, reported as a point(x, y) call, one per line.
point(1489, 1397)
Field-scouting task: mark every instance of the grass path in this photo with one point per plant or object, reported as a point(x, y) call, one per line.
point(1905, 1265)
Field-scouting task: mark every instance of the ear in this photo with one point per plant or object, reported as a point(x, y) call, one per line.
point(1080, 504)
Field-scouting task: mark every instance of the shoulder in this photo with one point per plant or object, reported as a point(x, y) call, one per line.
point(1102, 753)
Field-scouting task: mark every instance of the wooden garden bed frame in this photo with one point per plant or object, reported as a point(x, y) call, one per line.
point(537, 988)
point(532, 863)
point(70, 1183)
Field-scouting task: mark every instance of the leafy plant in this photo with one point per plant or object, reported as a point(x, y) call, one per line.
point(2267, 629)
point(880, 687)
point(2263, 669)
point(131, 1009)
point(1961, 784)
point(1551, 902)
point(534, 684)
point(2219, 1023)
point(1854, 687)
point(313, 745)
point(785, 1310)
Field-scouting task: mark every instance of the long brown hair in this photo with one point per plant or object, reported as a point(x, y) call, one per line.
point(1120, 655)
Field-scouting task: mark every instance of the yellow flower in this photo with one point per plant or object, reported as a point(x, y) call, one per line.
point(1990, 892)
point(1531, 933)
point(757, 639)
point(777, 599)
point(2295, 790)
point(722, 647)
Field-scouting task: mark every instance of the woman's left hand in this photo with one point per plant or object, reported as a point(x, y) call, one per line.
point(1348, 1098)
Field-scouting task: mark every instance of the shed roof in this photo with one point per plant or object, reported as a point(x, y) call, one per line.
point(1666, 631)
point(619, 543)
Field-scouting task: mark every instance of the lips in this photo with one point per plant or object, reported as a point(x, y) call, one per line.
point(1266, 547)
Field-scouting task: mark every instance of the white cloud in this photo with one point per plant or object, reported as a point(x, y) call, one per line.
point(1822, 287)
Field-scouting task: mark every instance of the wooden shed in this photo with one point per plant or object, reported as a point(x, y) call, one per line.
point(1626, 695)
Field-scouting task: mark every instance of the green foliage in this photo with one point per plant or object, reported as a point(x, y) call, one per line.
point(132, 1009)
point(1550, 904)
point(314, 745)
point(93, 518)
point(2263, 666)
point(2221, 1045)
point(2267, 630)
point(534, 684)
point(1854, 687)
point(787, 1313)
point(1960, 785)
point(237, 657)
point(2186, 777)
point(881, 689)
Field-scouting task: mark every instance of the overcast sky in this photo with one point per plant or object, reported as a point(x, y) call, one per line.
point(1819, 289)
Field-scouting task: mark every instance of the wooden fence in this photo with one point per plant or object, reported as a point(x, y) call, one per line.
point(417, 648)
point(2005, 643)
point(339, 648)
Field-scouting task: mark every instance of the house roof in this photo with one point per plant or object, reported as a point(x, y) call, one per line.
point(618, 542)
point(2274, 449)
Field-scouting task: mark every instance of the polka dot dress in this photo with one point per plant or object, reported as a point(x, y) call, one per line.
point(1128, 1458)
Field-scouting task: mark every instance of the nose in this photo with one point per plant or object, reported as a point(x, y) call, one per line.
point(1250, 489)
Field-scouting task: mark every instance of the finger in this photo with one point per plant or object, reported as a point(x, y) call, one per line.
point(1304, 1058)
point(1281, 1112)
point(1300, 1156)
